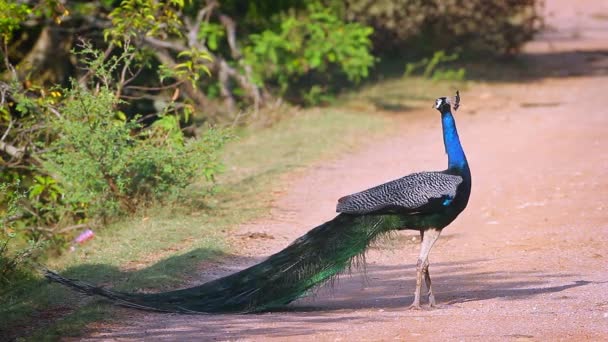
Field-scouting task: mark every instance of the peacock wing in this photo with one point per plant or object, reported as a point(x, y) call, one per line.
point(407, 194)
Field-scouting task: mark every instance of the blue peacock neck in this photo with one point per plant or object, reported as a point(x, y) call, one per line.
point(456, 156)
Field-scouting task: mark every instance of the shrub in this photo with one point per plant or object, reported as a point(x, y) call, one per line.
point(15, 257)
point(95, 164)
point(318, 41)
point(110, 166)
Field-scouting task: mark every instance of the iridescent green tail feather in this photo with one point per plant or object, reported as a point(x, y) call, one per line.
point(309, 261)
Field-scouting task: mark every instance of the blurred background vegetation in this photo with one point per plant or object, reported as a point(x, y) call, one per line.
point(110, 107)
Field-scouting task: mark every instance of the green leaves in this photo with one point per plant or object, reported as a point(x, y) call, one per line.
point(168, 125)
point(211, 33)
point(98, 163)
point(113, 166)
point(11, 16)
point(135, 19)
point(194, 65)
point(15, 255)
point(314, 42)
point(45, 185)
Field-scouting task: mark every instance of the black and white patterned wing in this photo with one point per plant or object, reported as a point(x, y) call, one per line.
point(407, 194)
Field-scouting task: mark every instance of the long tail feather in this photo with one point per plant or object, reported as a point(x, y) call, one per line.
point(285, 276)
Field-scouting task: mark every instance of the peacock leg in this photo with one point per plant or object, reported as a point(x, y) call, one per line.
point(427, 278)
point(428, 240)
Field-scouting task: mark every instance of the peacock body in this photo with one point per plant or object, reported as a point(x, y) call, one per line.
point(425, 201)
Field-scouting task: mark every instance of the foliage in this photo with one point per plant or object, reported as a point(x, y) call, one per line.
point(95, 163)
point(230, 43)
point(312, 42)
point(494, 26)
point(109, 166)
point(235, 54)
point(134, 18)
point(15, 258)
point(113, 139)
point(11, 17)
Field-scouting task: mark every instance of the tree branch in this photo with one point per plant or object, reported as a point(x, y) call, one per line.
point(123, 75)
point(15, 152)
point(223, 79)
point(172, 45)
point(8, 129)
point(59, 231)
point(83, 80)
point(246, 81)
point(224, 71)
point(231, 35)
point(203, 14)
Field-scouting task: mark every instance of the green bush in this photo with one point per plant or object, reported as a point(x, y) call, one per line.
point(495, 26)
point(15, 256)
point(110, 166)
point(318, 41)
point(95, 164)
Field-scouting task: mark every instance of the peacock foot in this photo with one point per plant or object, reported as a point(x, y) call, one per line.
point(414, 306)
point(432, 302)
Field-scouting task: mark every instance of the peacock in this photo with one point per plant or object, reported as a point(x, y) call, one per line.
point(424, 201)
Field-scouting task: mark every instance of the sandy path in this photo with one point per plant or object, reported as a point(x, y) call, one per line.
point(527, 260)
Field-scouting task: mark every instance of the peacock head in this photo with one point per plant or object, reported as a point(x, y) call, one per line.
point(443, 104)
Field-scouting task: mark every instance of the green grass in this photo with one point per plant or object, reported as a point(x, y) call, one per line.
point(158, 248)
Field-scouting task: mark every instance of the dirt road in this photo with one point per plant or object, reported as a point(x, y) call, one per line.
point(527, 260)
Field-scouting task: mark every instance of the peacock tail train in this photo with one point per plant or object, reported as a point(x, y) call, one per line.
point(309, 261)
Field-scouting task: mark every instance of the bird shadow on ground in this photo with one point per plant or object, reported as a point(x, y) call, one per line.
point(386, 292)
point(392, 287)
